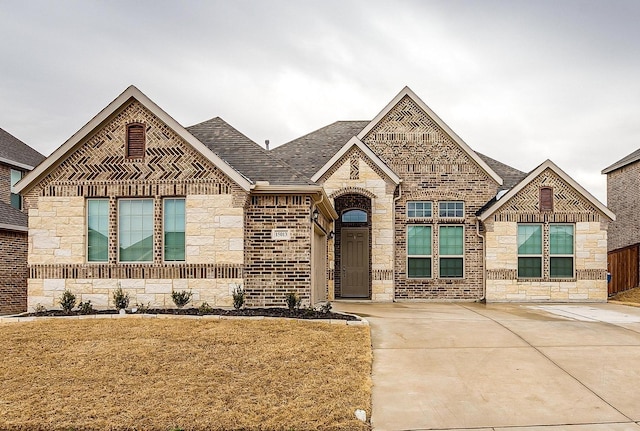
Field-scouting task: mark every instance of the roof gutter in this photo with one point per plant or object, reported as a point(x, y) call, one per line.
point(324, 204)
point(14, 227)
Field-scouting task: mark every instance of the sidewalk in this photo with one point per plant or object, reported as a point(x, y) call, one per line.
point(496, 367)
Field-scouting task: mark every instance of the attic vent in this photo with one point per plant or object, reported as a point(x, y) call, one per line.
point(546, 199)
point(135, 140)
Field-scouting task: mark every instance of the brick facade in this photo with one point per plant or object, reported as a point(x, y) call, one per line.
point(274, 268)
point(433, 168)
point(622, 198)
point(13, 272)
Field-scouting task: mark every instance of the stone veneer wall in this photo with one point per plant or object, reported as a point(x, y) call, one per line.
point(355, 174)
point(99, 168)
point(589, 283)
point(622, 198)
point(434, 168)
point(274, 268)
point(13, 272)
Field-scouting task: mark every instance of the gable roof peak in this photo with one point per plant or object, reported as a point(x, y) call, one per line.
point(407, 92)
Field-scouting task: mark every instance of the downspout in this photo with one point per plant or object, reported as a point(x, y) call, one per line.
point(394, 239)
point(484, 260)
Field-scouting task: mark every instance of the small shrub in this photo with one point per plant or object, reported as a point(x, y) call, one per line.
point(142, 308)
point(181, 298)
point(67, 301)
point(86, 308)
point(120, 298)
point(238, 297)
point(205, 308)
point(325, 308)
point(293, 301)
point(40, 309)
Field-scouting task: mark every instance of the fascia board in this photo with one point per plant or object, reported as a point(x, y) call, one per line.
point(406, 91)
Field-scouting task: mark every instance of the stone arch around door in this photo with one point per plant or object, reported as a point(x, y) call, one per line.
point(352, 275)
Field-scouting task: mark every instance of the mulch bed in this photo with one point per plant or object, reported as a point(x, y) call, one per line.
point(249, 312)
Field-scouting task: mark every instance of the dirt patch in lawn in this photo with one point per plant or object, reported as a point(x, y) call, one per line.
point(164, 374)
point(631, 295)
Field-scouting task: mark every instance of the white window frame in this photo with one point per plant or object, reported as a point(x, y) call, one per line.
point(541, 255)
point(572, 256)
point(164, 200)
point(446, 203)
point(153, 230)
point(409, 203)
point(86, 230)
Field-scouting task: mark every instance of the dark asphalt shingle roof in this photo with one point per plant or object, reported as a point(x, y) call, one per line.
point(244, 155)
point(310, 152)
point(633, 157)
point(12, 148)
point(11, 216)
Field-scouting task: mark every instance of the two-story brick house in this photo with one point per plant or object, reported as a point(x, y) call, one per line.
point(623, 187)
point(16, 158)
point(396, 208)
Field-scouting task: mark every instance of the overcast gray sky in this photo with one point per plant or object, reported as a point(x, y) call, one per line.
point(520, 81)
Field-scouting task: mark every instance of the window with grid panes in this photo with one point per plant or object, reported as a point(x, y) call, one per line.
point(419, 209)
point(561, 251)
point(135, 230)
point(451, 250)
point(451, 209)
point(419, 251)
point(529, 251)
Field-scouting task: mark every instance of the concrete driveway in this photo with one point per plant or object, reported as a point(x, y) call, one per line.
point(504, 367)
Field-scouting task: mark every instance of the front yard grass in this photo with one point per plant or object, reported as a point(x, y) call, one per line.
point(164, 374)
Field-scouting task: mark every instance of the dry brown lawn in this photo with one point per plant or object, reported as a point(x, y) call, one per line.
point(165, 374)
point(631, 295)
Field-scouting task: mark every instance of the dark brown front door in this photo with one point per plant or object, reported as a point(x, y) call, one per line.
point(354, 256)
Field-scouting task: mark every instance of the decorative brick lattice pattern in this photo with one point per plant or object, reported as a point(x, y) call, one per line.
point(274, 268)
point(353, 156)
point(13, 272)
point(136, 271)
point(355, 167)
point(99, 167)
point(622, 198)
point(568, 205)
point(433, 168)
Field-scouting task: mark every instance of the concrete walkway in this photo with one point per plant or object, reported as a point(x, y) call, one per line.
point(504, 367)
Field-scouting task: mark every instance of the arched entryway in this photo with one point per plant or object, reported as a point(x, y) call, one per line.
point(352, 276)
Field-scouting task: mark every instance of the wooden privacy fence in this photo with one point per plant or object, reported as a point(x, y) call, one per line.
point(624, 267)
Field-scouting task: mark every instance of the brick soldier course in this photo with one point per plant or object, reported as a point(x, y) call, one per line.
point(270, 221)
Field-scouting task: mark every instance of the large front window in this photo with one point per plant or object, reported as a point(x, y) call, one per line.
point(174, 230)
point(529, 251)
point(97, 230)
point(451, 248)
point(135, 230)
point(561, 251)
point(419, 251)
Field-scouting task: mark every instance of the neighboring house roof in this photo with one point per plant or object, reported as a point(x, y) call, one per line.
point(627, 160)
point(355, 142)
point(510, 176)
point(244, 155)
point(311, 152)
point(12, 219)
point(407, 92)
point(495, 205)
point(132, 92)
point(15, 152)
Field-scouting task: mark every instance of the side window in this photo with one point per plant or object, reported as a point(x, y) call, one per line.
point(561, 251)
point(451, 248)
point(16, 199)
point(174, 229)
point(419, 209)
point(97, 230)
point(419, 251)
point(451, 209)
point(529, 251)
